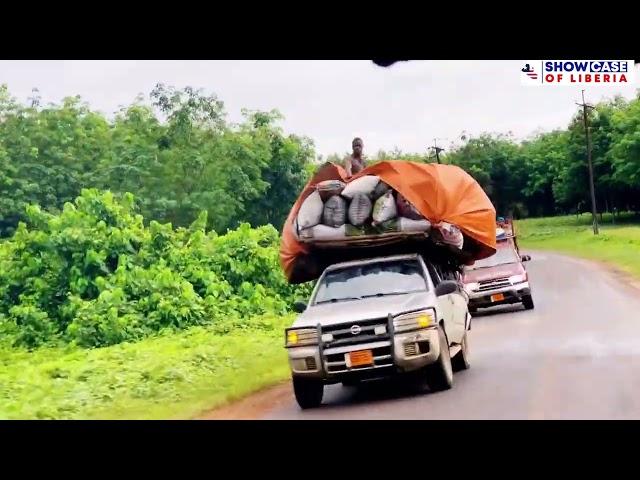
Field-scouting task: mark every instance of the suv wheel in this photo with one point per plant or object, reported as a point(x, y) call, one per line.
point(440, 373)
point(308, 392)
point(461, 359)
point(527, 302)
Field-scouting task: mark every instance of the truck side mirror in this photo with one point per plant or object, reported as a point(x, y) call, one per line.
point(525, 258)
point(446, 287)
point(299, 306)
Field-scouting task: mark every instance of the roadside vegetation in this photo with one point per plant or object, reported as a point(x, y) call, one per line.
point(172, 376)
point(618, 243)
point(139, 268)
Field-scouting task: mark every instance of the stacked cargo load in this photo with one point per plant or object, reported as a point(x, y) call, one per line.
point(388, 208)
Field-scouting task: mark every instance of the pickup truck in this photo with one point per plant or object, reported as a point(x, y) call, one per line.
point(375, 318)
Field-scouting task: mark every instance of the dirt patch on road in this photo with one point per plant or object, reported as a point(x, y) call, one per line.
point(254, 406)
point(622, 278)
point(618, 275)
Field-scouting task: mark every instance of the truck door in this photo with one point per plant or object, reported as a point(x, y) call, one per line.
point(445, 305)
point(457, 306)
point(461, 308)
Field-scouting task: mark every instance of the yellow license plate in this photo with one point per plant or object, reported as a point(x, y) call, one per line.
point(498, 297)
point(361, 358)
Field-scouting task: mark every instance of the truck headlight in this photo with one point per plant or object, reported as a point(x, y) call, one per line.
point(471, 287)
point(518, 279)
point(296, 337)
point(414, 321)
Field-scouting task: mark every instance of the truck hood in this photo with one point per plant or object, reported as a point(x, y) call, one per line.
point(499, 271)
point(368, 308)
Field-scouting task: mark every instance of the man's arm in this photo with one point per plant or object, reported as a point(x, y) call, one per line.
point(347, 166)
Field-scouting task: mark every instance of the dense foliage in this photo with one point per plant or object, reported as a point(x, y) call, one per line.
point(547, 174)
point(178, 156)
point(109, 267)
point(95, 275)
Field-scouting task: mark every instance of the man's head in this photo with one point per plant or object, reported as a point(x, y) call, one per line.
point(357, 144)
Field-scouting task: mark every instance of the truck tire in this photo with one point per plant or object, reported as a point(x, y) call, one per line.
point(440, 373)
point(308, 392)
point(527, 301)
point(461, 359)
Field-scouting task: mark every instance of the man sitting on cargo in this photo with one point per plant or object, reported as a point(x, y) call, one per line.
point(355, 162)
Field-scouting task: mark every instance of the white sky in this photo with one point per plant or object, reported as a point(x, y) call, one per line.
point(406, 105)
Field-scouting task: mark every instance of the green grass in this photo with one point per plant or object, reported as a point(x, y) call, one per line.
point(172, 377)
point(181, 375)
point(618, 243)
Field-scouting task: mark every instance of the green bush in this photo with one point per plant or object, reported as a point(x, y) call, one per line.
point(95, 275)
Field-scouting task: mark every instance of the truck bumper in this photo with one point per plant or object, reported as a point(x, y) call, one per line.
point(510, 294)
point(403, 353)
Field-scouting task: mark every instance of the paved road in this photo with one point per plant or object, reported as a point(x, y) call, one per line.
point(575, 356)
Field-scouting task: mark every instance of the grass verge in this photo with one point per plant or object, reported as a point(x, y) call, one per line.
point(618, 243)
point(170, 377)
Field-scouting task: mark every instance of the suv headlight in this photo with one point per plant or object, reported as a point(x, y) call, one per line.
point(518, 279)
point(470, 287)
point(296, 337)
point(414, 321)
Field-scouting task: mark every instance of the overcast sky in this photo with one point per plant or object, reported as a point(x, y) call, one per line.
point(406, 105)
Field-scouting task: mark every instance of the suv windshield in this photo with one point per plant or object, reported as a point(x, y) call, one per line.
point(371, 280)
point(503, 255)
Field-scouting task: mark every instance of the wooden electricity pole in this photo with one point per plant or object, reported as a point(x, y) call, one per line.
point(437, 149)
point(591, 185)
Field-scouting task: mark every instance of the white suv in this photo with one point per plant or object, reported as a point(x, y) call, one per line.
point(376, 318)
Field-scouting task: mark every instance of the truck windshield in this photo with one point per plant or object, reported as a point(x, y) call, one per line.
point(371, 280)
point(502, 256)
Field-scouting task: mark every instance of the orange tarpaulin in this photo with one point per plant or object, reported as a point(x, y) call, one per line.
point(442, 193)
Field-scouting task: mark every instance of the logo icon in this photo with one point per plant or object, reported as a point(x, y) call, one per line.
point(530, 72)
point(355, 330)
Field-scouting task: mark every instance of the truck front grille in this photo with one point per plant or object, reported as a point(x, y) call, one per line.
point(343, 334)
point(493, 284)
point(365, 333)
point(336, 363)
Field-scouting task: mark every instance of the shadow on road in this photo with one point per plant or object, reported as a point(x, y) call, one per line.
point(373, 391)
point(488, 312)
point(377, 391)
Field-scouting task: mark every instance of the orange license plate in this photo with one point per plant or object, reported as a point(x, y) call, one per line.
point(361, 358)
point(498, 297)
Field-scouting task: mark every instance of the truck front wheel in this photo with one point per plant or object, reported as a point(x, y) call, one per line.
point(460, 361)
point(440, 373)
point(527, 302)
point(308, 392)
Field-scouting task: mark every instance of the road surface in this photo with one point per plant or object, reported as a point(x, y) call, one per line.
point(575, 356)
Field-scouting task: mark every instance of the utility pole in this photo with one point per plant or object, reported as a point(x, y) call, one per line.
point(591, 185)
point(437, 149)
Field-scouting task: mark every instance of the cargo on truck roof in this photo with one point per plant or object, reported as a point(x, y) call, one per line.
point(393, 207)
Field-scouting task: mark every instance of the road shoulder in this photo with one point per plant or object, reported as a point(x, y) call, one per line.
point(254, 406)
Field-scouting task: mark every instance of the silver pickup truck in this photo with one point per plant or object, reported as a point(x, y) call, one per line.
point(378, 318)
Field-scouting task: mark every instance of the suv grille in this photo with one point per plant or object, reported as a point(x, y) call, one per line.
point(343, 334)
point(365, 332)
point(494, 283)
point(337, 363)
